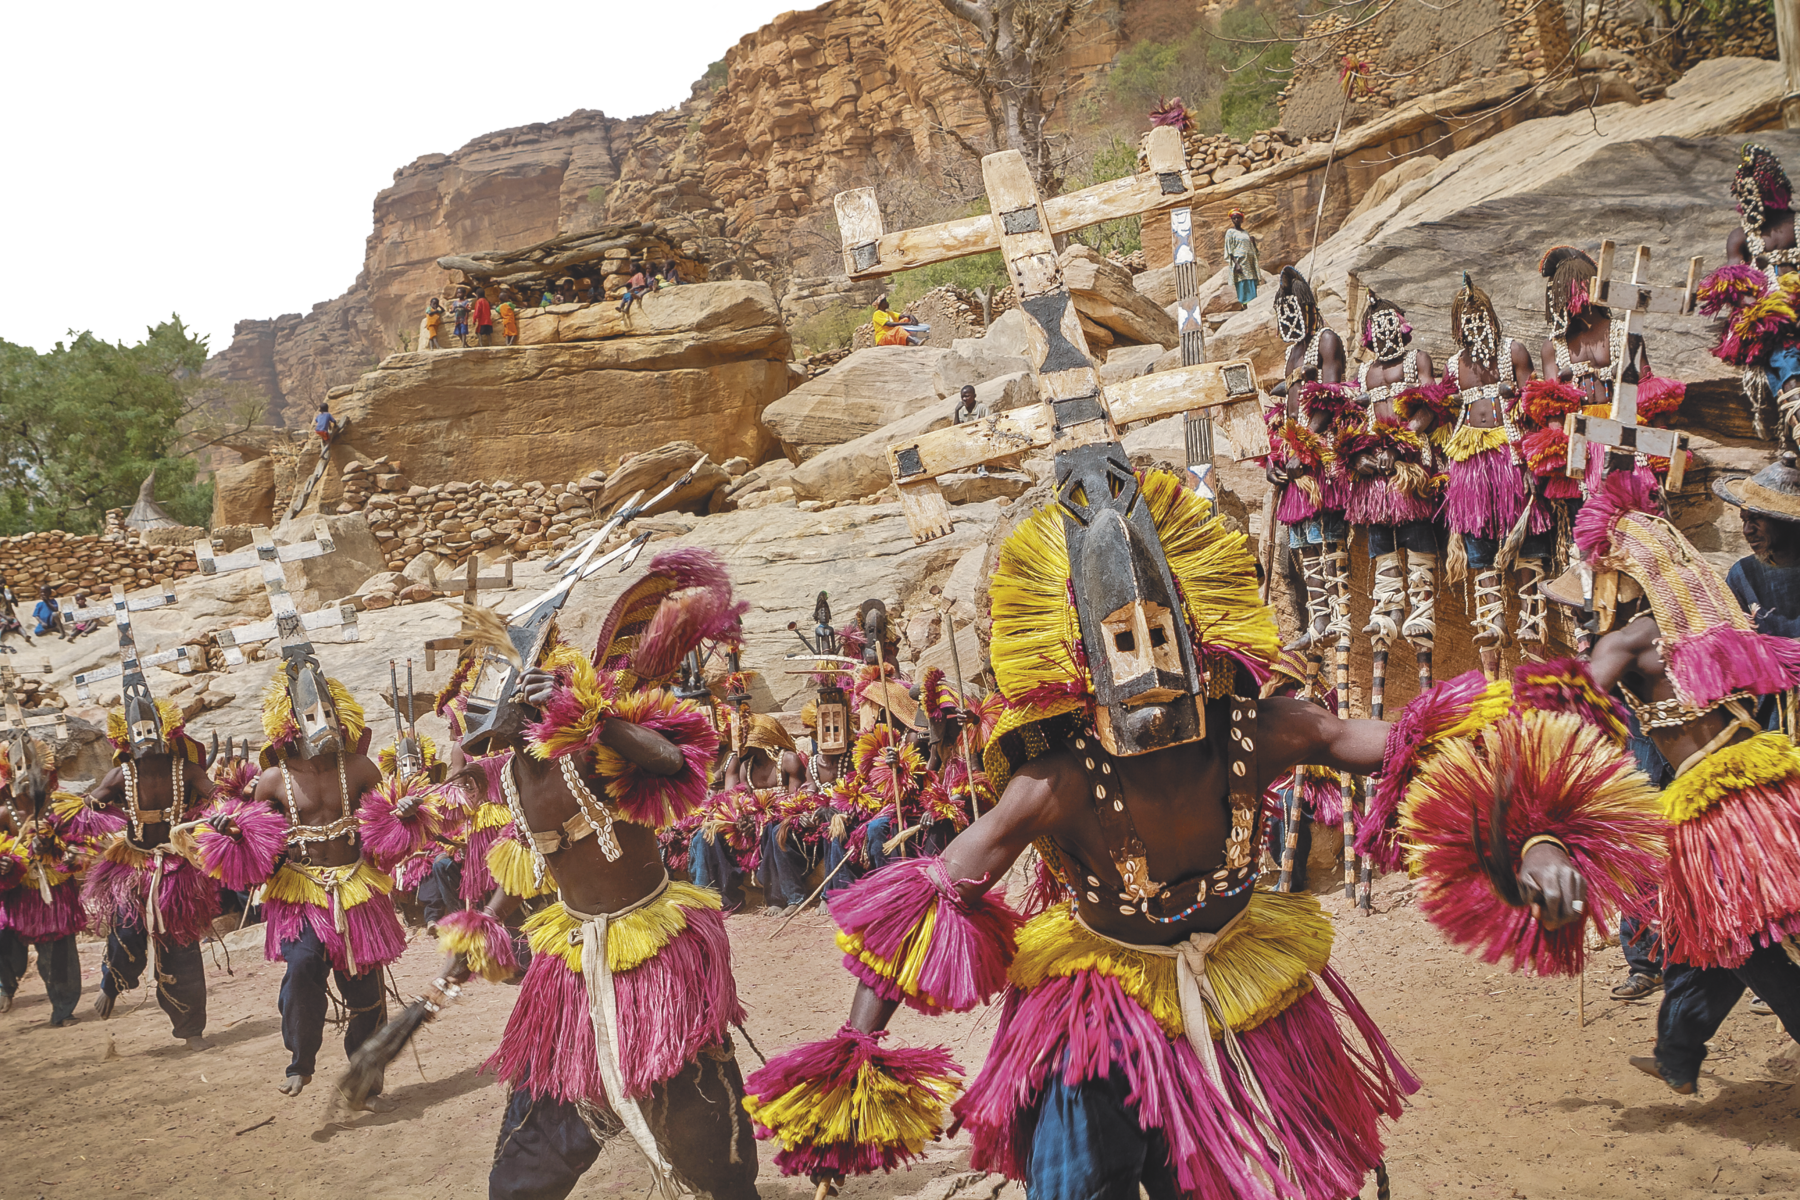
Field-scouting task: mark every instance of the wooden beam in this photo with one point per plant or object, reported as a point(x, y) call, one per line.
point(960, 447)
point(912, 248)
point(1166, 393)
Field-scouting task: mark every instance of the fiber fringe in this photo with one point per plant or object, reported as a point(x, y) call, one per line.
point(481, 940)
point(246, 860)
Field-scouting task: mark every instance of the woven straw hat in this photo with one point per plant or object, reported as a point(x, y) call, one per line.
point(1772, 492)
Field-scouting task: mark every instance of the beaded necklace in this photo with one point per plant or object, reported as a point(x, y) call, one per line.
point(171, 815)
point(1770, 259)
point(1578, 371)
point(1490, 392)
point(509, 786)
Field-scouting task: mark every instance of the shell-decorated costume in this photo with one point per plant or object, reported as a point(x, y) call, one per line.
point(665, 960)
point(137, 882)
point(1243, 1051)
point(349, 907)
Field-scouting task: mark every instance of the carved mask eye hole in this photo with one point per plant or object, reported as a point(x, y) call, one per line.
point(1158, 637)
point(1125, 641)
point(1079, 495)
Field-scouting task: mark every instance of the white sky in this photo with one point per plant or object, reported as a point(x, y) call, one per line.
point(220, 160)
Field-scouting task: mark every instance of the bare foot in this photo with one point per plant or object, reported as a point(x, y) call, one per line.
point(68, 1020)
point(103, 1004)
point(198, 1043)
point(293, 1083)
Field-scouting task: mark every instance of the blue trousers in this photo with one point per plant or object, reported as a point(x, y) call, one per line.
point(441, 891)
point(58, 964)
point(1696, 1001)
point(880, 830)
point(1414, 535)
point(1481, 551)
point(181, 976)
point(835, 849)
point(1316, 531)
point(697, 1119)
point(1643, 948)
point(781, 870)
point(304, 1003)
point(711, 864)
point(1087, 1144)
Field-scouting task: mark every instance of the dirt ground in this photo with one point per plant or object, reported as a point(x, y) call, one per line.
point(1518, 1100)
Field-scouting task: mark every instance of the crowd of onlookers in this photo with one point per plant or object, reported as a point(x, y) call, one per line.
point(473, 314)
point(48, 616)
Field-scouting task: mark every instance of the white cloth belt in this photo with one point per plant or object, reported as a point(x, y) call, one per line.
point(1198, 1002)
point(603, 1014)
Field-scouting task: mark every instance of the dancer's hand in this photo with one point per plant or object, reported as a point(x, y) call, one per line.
point(1553, 889)
point(536, 687)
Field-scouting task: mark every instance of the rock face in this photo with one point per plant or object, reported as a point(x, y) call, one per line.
point(871, 388)
point(502, 189)
point(1658, 173)
point(1113, 312)
point(698, 363)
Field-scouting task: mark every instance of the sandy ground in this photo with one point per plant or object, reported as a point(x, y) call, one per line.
point(1518, 1100)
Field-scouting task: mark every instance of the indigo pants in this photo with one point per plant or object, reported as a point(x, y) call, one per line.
point(1088, 1145)
point(58, 963)
point(781, 871)
point(1414, 535)
point(835, 850)
point(441, 891)
point(180, 976)
point(697, 1119)
point(1696, 1001)
point(304, 1003)
point(1643, 948)
point(711, 864)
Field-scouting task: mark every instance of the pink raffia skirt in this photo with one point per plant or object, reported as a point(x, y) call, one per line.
point(118, 886)
point(1082, 1006)
point(1378, 502)
point(22, 910)
point(1486, 493)
point(671, 965)
point(349, 908)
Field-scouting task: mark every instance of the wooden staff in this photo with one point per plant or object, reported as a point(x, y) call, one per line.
point(1346, 785)
point(962, 724)
point(1291, 835)
point(888, 712)
point(1268, 547)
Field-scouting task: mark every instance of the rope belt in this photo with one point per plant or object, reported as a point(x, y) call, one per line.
point(603, 1014)
point(331, 881)
point(1198, 1001)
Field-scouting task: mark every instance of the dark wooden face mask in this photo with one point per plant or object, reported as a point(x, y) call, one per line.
point(1139, 650)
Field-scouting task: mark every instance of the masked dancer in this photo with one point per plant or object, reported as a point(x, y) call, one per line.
point(1758, 290)
point(43, 849)
point(1489, 486)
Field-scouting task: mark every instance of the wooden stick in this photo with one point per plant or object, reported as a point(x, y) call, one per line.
point(1581, 997)
point(258, 1125)
point(887, 711)
point(806, 903)
point(1290, 836)
point(1270, 526)
point(962, 725)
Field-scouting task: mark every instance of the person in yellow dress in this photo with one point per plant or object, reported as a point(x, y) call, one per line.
point(434, 323)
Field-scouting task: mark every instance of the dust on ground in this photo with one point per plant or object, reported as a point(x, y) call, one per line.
point(1518, 1101)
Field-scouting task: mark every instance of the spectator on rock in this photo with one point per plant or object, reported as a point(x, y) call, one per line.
point(46, 613)
point(1240, 256)
point(434, 323)
point(896, 329)
point(509, 318)
point(459, 310)
point(548, 298)
point(483, 313)
point(967, 409)
point(638, 286)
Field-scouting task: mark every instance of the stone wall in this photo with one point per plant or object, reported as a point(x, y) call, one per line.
point(94, 562)
point(453, 520)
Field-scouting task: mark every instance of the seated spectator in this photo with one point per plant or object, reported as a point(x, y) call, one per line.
point(638, 286)
point(47, 614)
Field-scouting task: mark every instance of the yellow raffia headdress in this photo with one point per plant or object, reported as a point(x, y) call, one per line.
point(278, 721)
point(1036, 648)
point(174, 727)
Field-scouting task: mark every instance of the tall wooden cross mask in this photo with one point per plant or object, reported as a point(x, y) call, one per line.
point(1629, 300)
point(1074, 410)
point(285, 620)
point(129, 670)
point(15, 726)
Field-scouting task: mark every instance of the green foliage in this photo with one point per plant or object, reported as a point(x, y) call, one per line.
point(975, 273)
point(81, 426)
point(1256, 74)
point(597, 195)
point(715, 76)
point(830, 328)
point(1115, 160)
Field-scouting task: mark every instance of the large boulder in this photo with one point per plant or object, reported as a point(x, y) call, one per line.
point(860, 467)
point(244, 494)
point(1113, 311)
point(869, 389)
point(1009, 335)
point(972, 362)
point(656, 469)
point(1657, 173)
point(696, 363)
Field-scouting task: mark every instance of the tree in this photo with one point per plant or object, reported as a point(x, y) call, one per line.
point(1010, 71)
point(81, 426)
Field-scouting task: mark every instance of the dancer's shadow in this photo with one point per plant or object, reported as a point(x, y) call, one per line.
point(243, 1031)
point(1734, 1109)
point(409, 1102)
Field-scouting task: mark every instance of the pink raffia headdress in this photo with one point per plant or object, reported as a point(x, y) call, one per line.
point(1710, 647)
